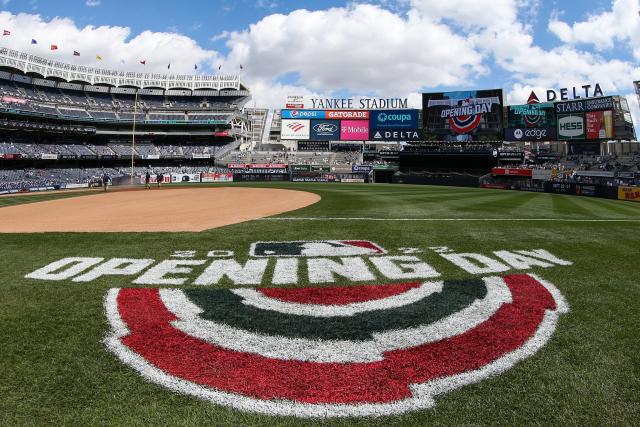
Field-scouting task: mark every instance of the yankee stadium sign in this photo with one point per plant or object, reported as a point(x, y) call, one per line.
point(323, 351)
point(360, 103)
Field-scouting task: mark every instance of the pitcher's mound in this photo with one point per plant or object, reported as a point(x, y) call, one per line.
point(184, 209)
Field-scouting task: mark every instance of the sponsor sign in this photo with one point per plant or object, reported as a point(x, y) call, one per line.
point(396, 135)
point(7, 98)
point(511, 172)
point(303, 114)
point(463, 116)
point(544, 174)
point(362, 103)
point(48, 156)
point(361, 168)
point(267, 166)
point(599, 124)
point(571, 126)
point(629, 193)
point(325, 130)
point(593, 104)
point(394, 119)
point(530, 134)
point(236, 166)
point(354, 130)
point(353, 180)
point(574, 92)
point(295, 129)
point(295, 101)
point(185, 177)
point(300, 168)
point(200, 156)
point(216, 177)
point(348, 114)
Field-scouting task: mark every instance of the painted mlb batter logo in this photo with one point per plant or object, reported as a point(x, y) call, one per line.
point(332, 351)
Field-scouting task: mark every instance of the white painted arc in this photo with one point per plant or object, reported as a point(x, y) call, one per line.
point(337, 351)
point(255, 298)
point(423, 394)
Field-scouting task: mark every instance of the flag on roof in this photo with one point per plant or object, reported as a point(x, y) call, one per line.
point(169, 66)
point(76, 53)
point(143, 62)
point(34, 41)
point(99, 58)
point(54, 47)
point(241, 67)
point(6, 33)
point(195, 67)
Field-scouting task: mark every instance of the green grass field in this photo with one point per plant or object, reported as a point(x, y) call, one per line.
point(54, 368)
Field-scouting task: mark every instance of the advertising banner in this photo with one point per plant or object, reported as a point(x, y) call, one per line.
point(544, 174)
point(303, 114)
point(153, 179)
point(571, 126)
point(45, 156)
point(267, 166)
point(354, 130)
point(353, 180)
point(320, 168)
point(300, 168)
point(530, 134)
point(201, 156)
point(629, 193)
point(463, 116)
point(216, 177)
point(185, 177)
point(348, 114)
point(599, 124)
point(582, 105)
point(295, 101)
point(396, 135)
point(394, 119)
point(361, 168)
point(295, 129)
point(512, 172)
point(325, 130)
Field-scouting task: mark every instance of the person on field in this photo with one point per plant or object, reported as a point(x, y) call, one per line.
point(147, 180)
point(159, 177)
point(105, 181)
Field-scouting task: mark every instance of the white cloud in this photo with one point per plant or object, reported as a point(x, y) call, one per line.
point(603, 30)
point(92, 3)
point(361, 48)
point(112, 43)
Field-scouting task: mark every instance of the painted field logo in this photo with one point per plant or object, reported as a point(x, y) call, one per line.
point(331, 352)
point(315, 248)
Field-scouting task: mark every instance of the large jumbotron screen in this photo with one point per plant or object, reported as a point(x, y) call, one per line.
point(463, 116)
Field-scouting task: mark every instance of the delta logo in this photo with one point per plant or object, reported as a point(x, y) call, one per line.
point(393, 341)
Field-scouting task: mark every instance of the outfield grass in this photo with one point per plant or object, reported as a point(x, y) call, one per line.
point(54, 368)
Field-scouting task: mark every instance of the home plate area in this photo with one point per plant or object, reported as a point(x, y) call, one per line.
point(338, 351)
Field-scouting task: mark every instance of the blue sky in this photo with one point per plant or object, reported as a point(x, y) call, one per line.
point(378, 47)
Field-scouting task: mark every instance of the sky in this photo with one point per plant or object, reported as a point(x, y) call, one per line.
point(324, 48)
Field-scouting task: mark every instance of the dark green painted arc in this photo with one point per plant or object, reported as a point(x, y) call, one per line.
point(223, 306)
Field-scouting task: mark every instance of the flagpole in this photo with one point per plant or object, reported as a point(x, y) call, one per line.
point(133, 137)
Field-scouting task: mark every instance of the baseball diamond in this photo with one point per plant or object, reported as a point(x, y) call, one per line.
point(339, 213)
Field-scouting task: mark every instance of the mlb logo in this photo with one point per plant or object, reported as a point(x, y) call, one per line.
point(316, 248)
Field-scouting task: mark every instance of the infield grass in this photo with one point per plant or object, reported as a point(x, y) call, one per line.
point(54, 368)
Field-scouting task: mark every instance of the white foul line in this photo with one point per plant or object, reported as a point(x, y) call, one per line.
point(440, 219)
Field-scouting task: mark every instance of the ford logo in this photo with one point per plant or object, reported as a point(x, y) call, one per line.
point(325, 128)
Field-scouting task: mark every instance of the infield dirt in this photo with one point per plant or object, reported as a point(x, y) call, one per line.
point(184, 209)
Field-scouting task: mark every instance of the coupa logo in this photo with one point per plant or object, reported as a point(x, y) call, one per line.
point(366, 350)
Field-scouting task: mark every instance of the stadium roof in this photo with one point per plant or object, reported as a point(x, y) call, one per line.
point(31, 64)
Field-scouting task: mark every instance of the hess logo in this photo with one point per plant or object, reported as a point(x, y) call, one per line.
point(571, 126)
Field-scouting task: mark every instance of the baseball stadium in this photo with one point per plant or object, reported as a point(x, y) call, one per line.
point(174, 254)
